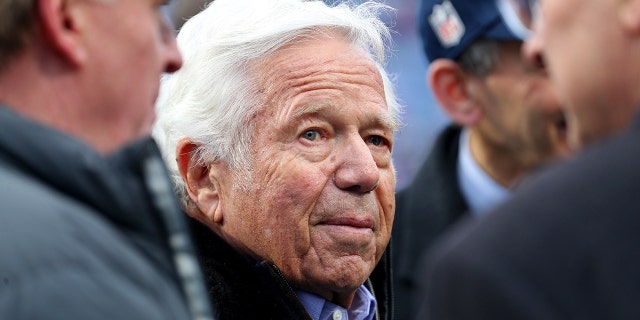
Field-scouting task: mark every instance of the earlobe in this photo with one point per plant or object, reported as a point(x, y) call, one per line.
point(59, 24)
point(449, 85)
point(200, 183)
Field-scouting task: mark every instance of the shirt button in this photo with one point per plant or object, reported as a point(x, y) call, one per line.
point(337, 315)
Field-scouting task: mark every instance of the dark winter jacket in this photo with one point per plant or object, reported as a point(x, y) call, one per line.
point(82, 236)
point(424, 210)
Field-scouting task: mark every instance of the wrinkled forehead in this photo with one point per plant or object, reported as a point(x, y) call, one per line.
point(320, 75)
point(309, 61)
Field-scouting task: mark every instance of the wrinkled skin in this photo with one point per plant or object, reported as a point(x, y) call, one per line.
point(319, 200)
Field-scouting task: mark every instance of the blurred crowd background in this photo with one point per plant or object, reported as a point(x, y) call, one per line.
point(422, 118)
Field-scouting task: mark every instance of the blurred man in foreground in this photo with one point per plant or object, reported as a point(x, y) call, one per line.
point(85, 224)
point(565, 246)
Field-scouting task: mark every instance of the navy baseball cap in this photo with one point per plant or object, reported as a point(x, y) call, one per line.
point(448, 27)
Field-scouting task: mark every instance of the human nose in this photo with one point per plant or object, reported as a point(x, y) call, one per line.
point(170, 46)
point(174, 58)
point(532, 51)
point(358, 171)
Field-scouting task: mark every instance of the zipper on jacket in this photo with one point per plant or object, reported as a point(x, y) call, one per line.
point(370, 287)
point(182, 250)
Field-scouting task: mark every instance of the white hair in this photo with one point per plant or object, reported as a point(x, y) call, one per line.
point(212, 97)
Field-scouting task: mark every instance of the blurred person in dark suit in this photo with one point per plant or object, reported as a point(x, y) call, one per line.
point(506, 123)
point(565, 246)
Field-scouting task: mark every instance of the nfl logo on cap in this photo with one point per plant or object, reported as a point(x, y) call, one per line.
point(447, 24)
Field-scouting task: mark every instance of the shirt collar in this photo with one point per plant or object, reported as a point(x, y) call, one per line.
point(363, 306)
point(478, 188)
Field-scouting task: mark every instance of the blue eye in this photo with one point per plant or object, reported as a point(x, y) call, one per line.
point(311, 135)
point(376, 140)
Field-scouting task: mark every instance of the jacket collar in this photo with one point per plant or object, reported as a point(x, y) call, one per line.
point(109, 185)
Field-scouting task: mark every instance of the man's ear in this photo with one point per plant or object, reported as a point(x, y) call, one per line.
point(200, 184)
point(448, 83)
point(60, 23)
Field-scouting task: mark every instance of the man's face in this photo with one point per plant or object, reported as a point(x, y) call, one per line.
point(130, 45)
point(521, 112)
point(320, 199)
point(585, 47)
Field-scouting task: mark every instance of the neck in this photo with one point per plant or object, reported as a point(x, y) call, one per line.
point(499, 164)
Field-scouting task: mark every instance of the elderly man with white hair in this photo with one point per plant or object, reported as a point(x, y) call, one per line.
point(279, 130)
